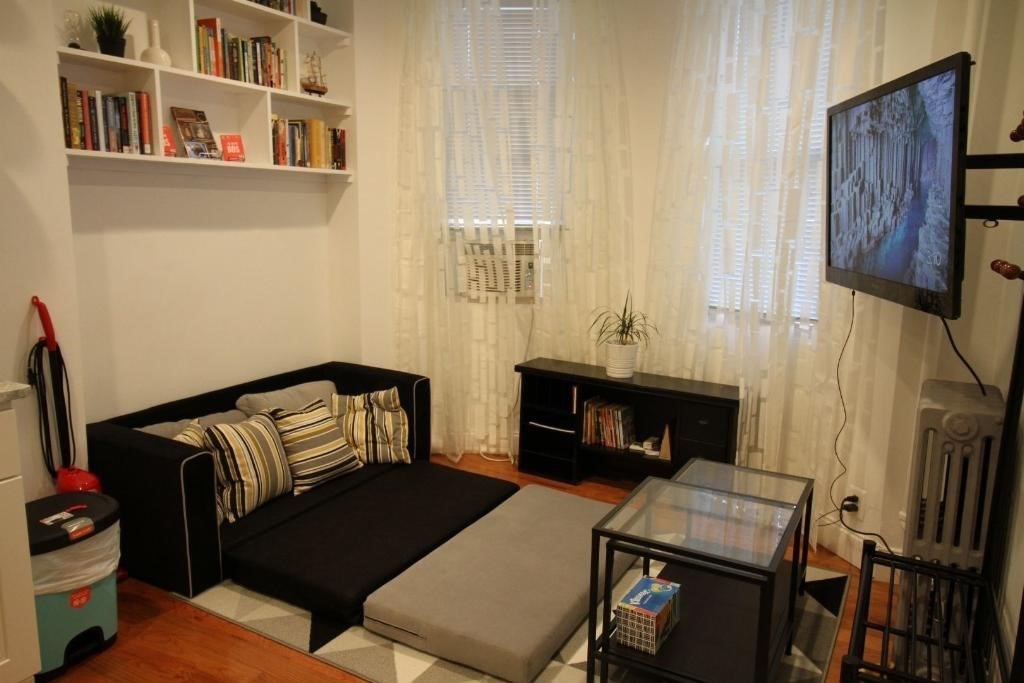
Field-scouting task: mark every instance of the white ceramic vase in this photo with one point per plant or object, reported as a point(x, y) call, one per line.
point(621, 359)
point(154, 54)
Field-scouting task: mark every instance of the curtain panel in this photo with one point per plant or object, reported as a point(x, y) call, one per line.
point(513, 202)
point(735, 282)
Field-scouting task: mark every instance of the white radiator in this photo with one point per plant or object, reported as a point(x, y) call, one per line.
point(956, 449)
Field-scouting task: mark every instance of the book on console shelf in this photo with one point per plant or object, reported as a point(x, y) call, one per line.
point(609, 425)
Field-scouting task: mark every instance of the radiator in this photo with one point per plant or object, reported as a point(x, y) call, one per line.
point(956, 449)
point(953, 472)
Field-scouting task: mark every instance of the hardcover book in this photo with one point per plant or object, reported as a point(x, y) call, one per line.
point(196, 136)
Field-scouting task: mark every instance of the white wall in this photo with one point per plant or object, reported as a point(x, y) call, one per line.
point(379, 40)
point(188, 283)
point(36, 255)
point(917, 33)
point(998, 308)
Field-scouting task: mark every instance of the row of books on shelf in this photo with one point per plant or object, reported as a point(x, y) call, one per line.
point(115, 122)
point(607, 424)
point(122, 123)
point(255, 60)
point(611, 425)
point(287, 6)
point(310, 143)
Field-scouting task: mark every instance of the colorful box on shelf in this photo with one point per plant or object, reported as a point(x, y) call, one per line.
point(646, 614)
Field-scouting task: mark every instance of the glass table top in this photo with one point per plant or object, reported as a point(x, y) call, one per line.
point(714, 523)
point(757, 483)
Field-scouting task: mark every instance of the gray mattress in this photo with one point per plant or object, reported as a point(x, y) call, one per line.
point(505, 593)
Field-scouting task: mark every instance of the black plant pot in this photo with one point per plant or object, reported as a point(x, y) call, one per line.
point(112, 46)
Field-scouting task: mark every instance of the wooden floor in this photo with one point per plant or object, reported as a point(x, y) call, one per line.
point(162, 638)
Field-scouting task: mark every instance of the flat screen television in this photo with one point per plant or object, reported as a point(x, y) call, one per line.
point(895, 188)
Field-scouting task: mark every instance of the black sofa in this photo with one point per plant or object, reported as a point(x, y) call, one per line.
point(325, 550)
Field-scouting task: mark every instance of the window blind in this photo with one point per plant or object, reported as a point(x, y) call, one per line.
point(748, 187)
point(500, 87)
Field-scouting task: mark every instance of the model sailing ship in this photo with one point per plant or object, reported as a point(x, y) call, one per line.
point(314, 81)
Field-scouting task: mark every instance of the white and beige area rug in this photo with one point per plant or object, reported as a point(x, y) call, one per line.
point(380, 660)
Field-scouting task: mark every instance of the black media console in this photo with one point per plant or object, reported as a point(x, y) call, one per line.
point(700, 418)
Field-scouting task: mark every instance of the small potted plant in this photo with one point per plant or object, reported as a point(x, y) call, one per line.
point(622, 333)
point(110, 26)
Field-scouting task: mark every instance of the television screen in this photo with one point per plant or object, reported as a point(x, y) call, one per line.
point(895, 224)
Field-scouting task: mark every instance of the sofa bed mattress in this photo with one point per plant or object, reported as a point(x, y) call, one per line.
point(458, 602)
point(328, 559)
point(287, 507)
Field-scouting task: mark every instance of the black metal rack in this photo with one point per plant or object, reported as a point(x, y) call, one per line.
point(937, 625)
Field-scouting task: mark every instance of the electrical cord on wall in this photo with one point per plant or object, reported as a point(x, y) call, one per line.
point(960, 356)
point(842, 427)
point(849, 503)
point(859, 532)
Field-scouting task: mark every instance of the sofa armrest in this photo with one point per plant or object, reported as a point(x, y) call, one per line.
point(413, 392)
point(169, 532)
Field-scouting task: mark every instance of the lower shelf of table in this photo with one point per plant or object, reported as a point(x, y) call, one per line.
point(686, 657)
point(717, 635)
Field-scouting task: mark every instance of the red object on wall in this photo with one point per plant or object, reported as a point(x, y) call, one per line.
point(71, 479)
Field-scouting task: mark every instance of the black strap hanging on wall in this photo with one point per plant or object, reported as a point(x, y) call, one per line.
point(53, 396)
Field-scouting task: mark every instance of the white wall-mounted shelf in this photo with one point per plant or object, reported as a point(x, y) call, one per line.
point(231, 107)
point(146, 163)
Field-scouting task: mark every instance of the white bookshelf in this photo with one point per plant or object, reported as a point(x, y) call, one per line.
point(230, 106)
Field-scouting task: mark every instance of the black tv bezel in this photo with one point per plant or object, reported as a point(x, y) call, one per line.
point(945, 304)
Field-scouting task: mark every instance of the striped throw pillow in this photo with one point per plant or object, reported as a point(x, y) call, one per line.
point(192, 435)
point(314, 445)
point(195, 435)
point(375, 424)
point(251, 464)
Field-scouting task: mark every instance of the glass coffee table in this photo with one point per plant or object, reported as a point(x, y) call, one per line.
point(722, 533)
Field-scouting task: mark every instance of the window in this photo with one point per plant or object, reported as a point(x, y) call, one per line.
point(749, 194)
point(500, 109)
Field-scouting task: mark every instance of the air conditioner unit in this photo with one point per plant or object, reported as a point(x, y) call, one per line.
point(498, 268)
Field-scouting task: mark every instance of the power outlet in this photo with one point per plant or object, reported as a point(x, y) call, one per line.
point(861, 501)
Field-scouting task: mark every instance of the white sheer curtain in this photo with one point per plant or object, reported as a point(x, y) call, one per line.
point(514, 209)
point(734, 283)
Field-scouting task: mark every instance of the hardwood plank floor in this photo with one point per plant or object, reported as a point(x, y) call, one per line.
point(162, 638)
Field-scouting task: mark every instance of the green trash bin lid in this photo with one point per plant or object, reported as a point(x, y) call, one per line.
point(58, 521)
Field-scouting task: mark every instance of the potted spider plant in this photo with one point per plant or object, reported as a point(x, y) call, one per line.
point(110, 26)
point(622, 333)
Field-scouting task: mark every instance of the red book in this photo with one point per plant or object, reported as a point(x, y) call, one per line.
point(86, 123)
point(145, 131)
point(231, 147)
point(212, 25)
point(168, 142)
